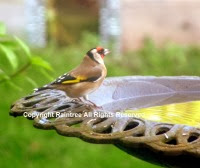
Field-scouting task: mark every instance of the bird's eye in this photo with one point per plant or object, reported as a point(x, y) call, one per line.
point(101, 52)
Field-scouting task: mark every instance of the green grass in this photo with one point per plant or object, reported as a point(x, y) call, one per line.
point(22, 145)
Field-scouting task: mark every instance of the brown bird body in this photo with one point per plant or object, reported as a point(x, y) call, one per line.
point(80, 89)
point(85, 78)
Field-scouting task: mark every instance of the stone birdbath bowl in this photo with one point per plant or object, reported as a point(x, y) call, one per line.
point(167, 144)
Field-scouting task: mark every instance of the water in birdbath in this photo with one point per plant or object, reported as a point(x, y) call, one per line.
point(187, 113)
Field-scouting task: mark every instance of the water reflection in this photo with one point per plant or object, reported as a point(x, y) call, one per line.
point(182, 113)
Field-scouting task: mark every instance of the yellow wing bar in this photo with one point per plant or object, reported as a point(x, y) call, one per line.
point(77, 80)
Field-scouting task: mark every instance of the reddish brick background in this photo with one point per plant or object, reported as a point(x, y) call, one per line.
point(162, 20)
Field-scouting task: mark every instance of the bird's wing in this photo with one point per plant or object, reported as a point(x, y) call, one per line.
point(79, 75)
point(69, 78)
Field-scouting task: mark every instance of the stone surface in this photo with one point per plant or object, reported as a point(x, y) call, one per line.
point(161, 143)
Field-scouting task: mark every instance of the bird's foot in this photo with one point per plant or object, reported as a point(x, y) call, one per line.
point(94, 105)
point(77, 100)
point(88, 102)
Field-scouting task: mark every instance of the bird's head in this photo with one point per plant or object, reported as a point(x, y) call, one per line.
point(97, 54)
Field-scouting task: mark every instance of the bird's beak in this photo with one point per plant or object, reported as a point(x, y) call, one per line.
point(106, 51)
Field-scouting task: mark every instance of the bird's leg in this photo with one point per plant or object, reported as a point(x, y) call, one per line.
point(86, 97)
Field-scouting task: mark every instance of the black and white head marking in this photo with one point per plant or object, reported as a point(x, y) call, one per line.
point(95, 55)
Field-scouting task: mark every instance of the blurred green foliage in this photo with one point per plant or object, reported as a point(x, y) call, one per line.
point(171, 59)
point(19, 68)
point(22, 145)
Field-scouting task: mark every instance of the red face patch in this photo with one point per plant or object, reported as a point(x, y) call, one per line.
point(100, 50)
point(102, 56)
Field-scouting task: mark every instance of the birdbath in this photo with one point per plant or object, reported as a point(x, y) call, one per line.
point(166, 143)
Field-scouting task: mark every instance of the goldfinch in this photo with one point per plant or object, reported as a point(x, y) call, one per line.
point(85, 78)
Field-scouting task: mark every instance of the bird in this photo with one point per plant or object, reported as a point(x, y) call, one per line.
point(85, 78)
